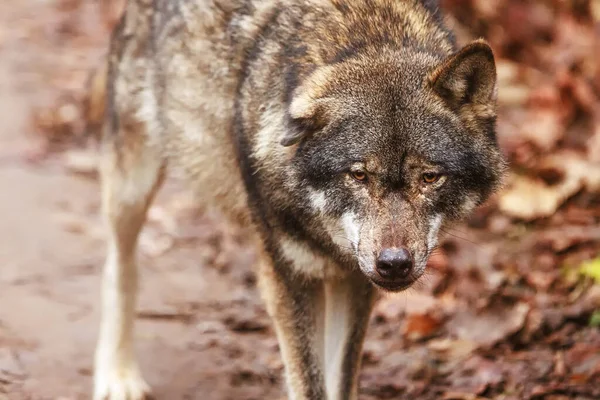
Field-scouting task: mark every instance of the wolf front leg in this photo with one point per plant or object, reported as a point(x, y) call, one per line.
point(129, 182)
point(296, 306)
point(349, 301)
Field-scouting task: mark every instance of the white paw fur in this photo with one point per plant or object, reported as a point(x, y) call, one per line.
point(118, 383)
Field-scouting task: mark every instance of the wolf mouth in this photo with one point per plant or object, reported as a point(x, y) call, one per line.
point(394, 286)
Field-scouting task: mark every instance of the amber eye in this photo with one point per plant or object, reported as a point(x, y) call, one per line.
point(360, 176)
point(430, 177)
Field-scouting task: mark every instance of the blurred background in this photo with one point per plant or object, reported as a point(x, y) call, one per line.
point(510, 308)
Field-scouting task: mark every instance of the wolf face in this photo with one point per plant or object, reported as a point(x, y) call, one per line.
point(390, 151)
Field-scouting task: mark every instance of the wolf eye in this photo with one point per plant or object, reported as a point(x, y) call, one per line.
point(430, 177)
point(359, 176)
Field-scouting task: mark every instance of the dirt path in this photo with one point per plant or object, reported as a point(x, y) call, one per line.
point(51, 252)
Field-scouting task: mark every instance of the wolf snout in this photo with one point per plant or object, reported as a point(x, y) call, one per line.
point(394, 264)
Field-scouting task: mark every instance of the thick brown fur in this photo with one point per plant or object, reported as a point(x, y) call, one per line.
point(338, 131)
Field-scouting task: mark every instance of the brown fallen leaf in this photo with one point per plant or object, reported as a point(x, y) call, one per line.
point(389, 308)
point(420, 326)
point(560, 368)
point(544, 128)
point(451, 350)
point(476, 375)
point(529, 198)
point(490, 326)
point(514, 83)
point(392, 307)
point(583, 360)
point(566, 236)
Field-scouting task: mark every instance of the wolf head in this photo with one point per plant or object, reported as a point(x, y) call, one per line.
point(391, 148)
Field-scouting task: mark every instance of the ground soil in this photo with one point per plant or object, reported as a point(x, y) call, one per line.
point(50, 269)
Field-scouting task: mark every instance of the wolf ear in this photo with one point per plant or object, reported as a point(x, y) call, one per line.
point(309, 109)
point(467, 77)
point(307, 116)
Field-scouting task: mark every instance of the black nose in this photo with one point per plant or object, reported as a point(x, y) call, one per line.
point(394, 263)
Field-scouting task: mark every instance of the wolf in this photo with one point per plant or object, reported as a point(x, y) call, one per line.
point(345, 135)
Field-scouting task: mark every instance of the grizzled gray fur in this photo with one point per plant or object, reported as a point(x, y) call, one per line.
point(346, 134)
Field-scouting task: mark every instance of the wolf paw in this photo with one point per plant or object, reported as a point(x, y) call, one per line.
point(109, 385)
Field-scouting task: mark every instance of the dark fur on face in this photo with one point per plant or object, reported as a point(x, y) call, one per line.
point(395, 112)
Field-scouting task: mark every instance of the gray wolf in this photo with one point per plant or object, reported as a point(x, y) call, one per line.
point(346, 134)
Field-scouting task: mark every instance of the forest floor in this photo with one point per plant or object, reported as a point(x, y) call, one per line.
point(509, 309)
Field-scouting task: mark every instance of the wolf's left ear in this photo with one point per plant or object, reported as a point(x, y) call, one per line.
point(467, 77)
point(307, 115)
point(309, 109)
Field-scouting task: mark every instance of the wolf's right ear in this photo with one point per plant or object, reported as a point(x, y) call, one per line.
point(309, 109)
point(467, 77)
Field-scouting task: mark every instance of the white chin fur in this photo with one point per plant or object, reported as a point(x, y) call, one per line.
point(434, 227)
point(351, 228)
point(317, 200)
